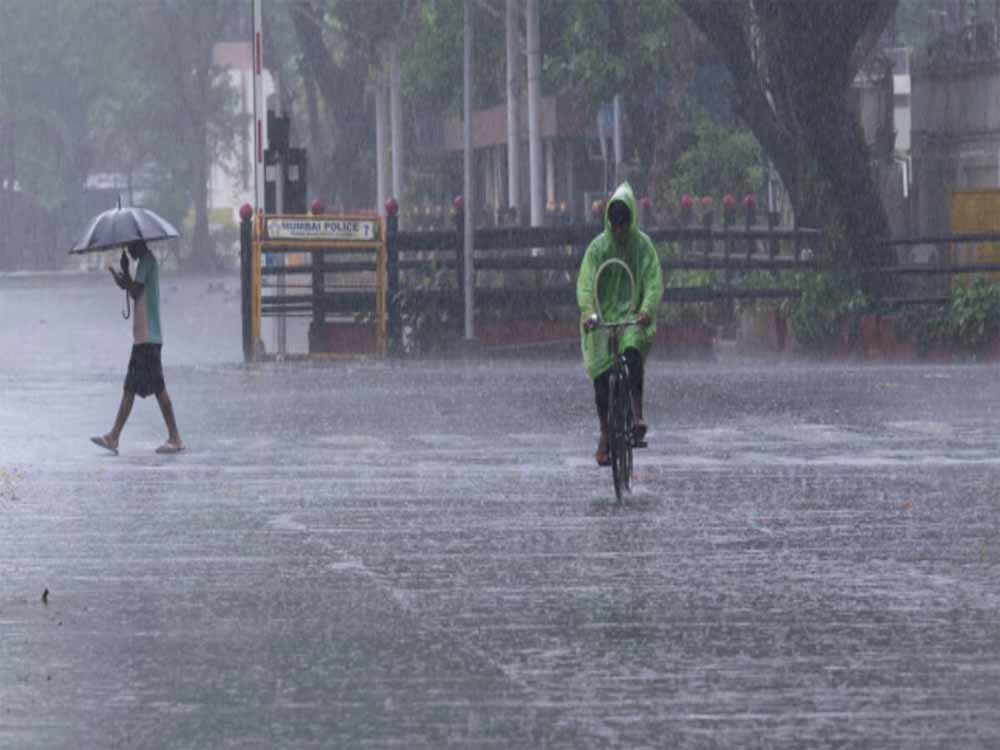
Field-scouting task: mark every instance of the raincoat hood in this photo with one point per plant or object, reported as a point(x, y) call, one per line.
point(623, 194)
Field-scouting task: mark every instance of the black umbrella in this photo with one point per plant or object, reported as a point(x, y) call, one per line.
point(119, 226)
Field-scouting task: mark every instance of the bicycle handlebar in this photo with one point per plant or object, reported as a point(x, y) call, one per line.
point(597, 323)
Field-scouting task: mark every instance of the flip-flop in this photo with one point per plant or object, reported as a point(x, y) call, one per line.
point(170, 448)
point(103, 442)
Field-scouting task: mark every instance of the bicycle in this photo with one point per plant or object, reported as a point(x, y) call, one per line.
point(621, 420)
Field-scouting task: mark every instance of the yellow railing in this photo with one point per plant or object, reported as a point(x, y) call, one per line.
point(314, 245)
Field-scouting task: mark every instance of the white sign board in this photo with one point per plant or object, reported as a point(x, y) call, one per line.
point(357, 230)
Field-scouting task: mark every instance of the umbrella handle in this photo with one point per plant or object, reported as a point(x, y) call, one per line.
point(127, 312)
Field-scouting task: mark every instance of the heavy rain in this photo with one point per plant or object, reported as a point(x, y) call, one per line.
point(344, 451)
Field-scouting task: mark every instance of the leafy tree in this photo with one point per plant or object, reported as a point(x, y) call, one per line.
point(336, 63)
point(599, 48)
point(721, 160)
point(344, 47)
point(182, 110)
point(792, 65)
point(55, 80)
point(116, 86)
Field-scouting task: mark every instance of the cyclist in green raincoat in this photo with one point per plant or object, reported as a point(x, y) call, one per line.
point(622, 239)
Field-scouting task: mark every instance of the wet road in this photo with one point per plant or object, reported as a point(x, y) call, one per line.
point(423, 555)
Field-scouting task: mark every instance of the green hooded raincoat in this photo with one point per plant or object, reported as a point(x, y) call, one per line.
point(637, 250)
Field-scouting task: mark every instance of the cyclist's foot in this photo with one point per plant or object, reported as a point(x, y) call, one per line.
point(106, 442)
point(639, 431)
point(601, 456)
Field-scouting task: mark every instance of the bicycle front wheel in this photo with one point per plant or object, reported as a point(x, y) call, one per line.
point(625, 400)
point(620, 433)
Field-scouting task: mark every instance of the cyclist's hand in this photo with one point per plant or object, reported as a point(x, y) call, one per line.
point(590, 323)
point(644, 320)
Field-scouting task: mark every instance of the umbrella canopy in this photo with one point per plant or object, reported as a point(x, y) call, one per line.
point(119, 226)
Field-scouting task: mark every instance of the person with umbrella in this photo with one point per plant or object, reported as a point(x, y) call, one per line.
point(132, 227)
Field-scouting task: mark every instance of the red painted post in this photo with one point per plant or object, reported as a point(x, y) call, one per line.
point(750, 204)
point(646, 210)
point(458, 306)
point(391, 275)
point(707, 219)
point(246, 282)
point(728, 214)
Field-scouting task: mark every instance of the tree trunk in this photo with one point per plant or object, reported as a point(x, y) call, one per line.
point(202, 250)
point(343, 89)
point(686, 50)
point(792, 65)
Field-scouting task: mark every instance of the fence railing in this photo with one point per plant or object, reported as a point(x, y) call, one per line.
point(531, 271)
point(524, 272)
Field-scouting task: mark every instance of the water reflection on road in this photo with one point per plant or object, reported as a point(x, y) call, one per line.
point(422, 554)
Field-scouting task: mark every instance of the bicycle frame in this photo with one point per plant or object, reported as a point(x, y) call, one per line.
point(620, 417)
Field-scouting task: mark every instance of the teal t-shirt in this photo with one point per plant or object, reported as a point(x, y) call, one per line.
point(146, 320)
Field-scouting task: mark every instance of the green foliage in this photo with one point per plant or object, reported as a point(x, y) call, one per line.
point(969, 321)
point(595, 49)
point(679, 278)
point(684, 277)
point(766, 280)
point(923, 325)
point(427, 321)
point(827, 300)
point(912, 27)
point(59, 68)
point(433, 53)
point(974, 313)
point(116, 87)
point(723, 160)
point(595, 55)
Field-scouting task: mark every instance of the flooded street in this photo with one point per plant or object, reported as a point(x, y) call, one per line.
point(424, 555)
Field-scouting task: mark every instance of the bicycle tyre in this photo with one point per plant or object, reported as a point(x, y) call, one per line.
point(615, 431)
point(625, 409)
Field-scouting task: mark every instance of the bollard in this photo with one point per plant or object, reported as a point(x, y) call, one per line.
point(728, 214)
point(392, 276)
point(458, 303)
point(685, 215)
point(246, 283)
point(707, 219)
point(646, 211)
point(772, 241)
point(750, 204)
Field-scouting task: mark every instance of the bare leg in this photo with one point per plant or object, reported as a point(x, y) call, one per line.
point(601, 400)
point(602, 442)
point(167, 409)
point(124, 409)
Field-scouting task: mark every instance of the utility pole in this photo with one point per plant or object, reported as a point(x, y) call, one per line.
point(535, 113)
point(468, 187)
point(617, 132)
point(616, 48)
point(513, 111)
point(396, 121)
point(279, 208)
point(380, 118)
point(259, 106)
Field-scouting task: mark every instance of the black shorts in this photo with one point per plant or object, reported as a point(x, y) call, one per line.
point(145, 371)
